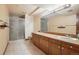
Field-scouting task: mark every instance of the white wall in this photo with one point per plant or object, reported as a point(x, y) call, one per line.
point(37, 23)
point(69, 21)
point(28, 26)
point(4, 33)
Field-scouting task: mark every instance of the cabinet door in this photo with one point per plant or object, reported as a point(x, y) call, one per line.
point(37, 40)
point(74, 49)
point(68, 49)
point(54, 49)
point(33, 38)
point(65, 50)
point(74, 52)
point(44, 44)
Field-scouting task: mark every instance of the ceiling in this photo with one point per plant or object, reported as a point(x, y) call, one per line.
point(39, 9)
point(19, 9)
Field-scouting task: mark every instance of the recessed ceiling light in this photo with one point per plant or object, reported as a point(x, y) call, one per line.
point(67, 6)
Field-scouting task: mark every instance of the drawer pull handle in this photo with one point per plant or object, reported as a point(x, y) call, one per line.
point(70, 46)
point(62, 48)
point(58, 46)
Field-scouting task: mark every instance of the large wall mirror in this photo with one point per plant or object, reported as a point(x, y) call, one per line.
point(60, 24)
point(64, 21)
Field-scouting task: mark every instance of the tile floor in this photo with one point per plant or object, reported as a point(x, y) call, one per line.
point(22, 47)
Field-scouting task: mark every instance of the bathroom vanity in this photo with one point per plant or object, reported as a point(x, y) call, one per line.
point(53, 44)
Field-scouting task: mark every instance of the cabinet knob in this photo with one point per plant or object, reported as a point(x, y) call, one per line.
point(62, 47)
point(58, 46)
point(70, 46)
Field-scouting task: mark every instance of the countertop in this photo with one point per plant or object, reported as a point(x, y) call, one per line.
point(59, 37)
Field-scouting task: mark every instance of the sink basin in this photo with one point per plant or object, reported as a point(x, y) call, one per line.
point(65, 37)
point(74, 38)
point(70, 38)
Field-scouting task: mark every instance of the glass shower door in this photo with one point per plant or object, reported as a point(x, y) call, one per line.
point(17, 28)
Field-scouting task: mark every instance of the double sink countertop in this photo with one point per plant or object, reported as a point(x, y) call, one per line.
point(59, 37)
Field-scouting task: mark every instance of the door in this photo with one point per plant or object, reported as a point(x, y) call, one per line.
point(43, 24)
point(17, 28)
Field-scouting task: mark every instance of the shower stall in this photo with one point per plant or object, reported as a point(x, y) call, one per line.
point(17, 28)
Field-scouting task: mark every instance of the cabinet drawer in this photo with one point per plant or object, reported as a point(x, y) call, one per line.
point(55, 41)
point(66, 44)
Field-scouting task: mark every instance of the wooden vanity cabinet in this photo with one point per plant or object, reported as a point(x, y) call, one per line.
point(44, 44)
point(36, 39)
point(62, 48)
point(54, 48)
point(33, 38)
point(41, 42)
point(74, 52)
point(69, 49)
point(65, 49)
point(74, 49)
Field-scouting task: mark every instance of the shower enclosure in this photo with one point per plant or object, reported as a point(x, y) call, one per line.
point(17, 28)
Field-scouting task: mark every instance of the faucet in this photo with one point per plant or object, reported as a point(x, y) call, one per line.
point(68, 36)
